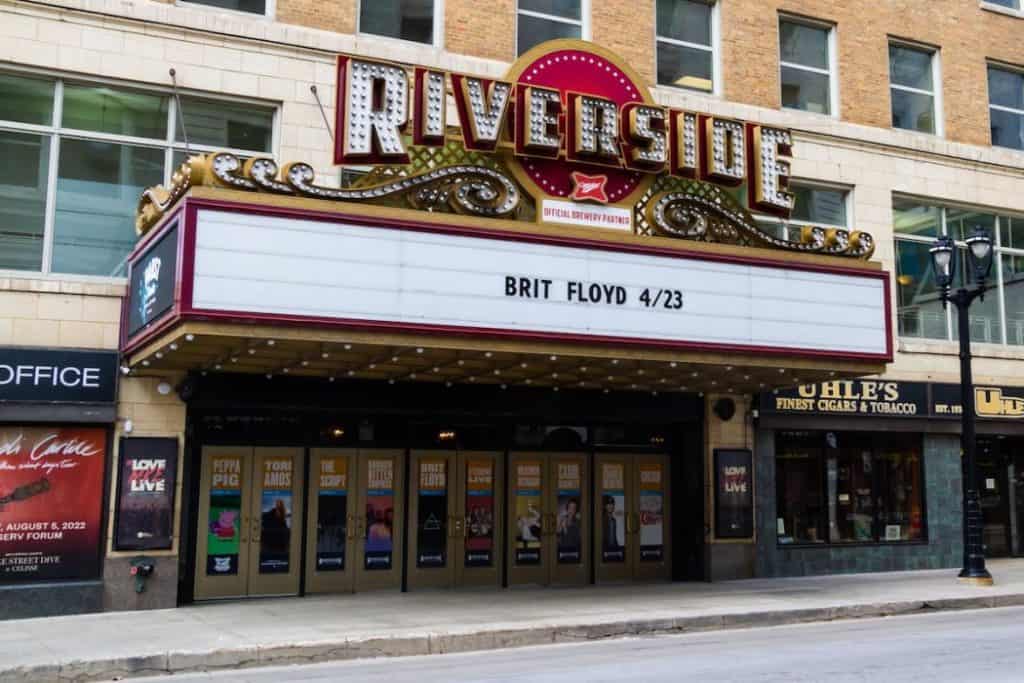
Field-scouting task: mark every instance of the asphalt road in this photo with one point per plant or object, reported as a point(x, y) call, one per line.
point(982, 645)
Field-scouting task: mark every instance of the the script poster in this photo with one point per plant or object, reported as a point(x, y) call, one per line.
point(276, 515)
point(432, 522)
point(332, 514)
point(528, 513)
point(734, 494)
point(652, 513)
point(569, 533)
point(380, 514)
point(613, 512)
point(51, 495)
point(145, 495)
point(479, 513)
point(224, 525)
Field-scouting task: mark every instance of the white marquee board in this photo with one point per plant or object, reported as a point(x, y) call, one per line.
point(295, 267)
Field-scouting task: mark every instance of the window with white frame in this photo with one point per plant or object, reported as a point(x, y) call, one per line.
point(687, 43)
point(1010, 4)
point(77, 155)
point(248, 6)
point(999, 318)
point(814, 205)
point(540, 20)
point(807, 66)
point(404, 19)
point(1006, 107)
point(912, 83)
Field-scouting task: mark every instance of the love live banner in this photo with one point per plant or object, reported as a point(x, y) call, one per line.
point(51, 495)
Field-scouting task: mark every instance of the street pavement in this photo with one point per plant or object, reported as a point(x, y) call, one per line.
point(963, 646)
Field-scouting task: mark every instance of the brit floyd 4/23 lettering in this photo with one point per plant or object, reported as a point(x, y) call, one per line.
point(576, 291)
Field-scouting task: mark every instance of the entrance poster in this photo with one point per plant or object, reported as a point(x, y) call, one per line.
point(613, 512)
point(568, 532)
point(380, 514)
point(51, 495)
point(652, 513)
point(276, 515)
point(528, 515)
point(479, 513)
point(734, 494)
point(222, 535)
point(145, 494)
point(331, 514)
point(432, 525)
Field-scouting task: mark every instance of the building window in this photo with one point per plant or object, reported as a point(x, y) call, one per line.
point(806, 59)
point(1006, 107)
point(814, 205)
point(404, 19)
point(1009, 4)
point(912, 83)
point(848, 487)
point(687, 38)
point(541, 20)
point(78, 155)
point(248, 6)
point(999, 319)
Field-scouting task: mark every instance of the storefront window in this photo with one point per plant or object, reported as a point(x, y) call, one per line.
point(685, 43)
point(109, 144)
point(541, 20)
point(848, 487)
point(920, 310)
point(1013, 295)
point(405, 19)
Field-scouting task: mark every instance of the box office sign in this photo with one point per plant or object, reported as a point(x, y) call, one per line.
point(57, 375)
point(734, 494)
point(51, 496)
point(145, 494)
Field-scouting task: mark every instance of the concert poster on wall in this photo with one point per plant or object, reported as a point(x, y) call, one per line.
point(144, 518)
point(51, 500)
point(734, 494)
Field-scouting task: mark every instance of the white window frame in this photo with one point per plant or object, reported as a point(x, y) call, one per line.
point(269, 12)
point(998, 107)
point(833, 62)
point(1017, 11)
point(715, 49)
point(583, 22)
point(55, 133)
point(998, 251)
point(936, 91)
point(436, 38)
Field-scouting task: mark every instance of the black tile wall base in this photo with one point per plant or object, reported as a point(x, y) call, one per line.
point(24, 601)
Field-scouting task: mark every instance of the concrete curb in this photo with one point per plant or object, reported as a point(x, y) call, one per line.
point(114, 668)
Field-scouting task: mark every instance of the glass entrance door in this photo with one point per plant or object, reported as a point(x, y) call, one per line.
point(378, 519)
point(630, 510)
point(250, 499)
point(331, 526)
point(549, 538)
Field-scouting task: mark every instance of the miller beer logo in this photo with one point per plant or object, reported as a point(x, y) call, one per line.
point(573, 122)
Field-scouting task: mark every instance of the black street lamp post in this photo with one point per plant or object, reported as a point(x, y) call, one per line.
point(944, 262)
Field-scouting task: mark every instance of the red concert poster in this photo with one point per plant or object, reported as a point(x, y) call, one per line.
point(51, 495)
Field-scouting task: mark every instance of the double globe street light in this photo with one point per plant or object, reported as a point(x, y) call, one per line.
point(944, 263)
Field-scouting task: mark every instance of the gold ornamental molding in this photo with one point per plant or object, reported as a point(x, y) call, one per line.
point(671, 207)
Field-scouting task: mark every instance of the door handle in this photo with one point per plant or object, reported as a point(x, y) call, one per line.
point(242, 527)
point(350, 527)
point(257, 529)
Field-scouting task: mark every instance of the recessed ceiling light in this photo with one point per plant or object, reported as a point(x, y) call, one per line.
point(325, 355)
point(419, 350)
point(554, 358)
point(488, 354)
point(270, 342)
point(372, 366)
point(189, 337)
point(348, 347)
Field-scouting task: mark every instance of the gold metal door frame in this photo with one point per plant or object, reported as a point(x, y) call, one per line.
point(332, 471)
point(472, 568)
point(230, 529)
point(372, 531)
point(433, 474)
point(614, 500)
point(277, 490)
point(568, 549)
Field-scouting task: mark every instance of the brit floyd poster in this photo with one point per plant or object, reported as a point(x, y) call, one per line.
point(431, 523)
point(51, 493)
point(145, 496)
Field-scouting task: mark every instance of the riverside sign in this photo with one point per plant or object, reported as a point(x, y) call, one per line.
point(566, 110)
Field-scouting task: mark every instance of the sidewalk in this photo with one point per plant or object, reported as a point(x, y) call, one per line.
point(303, 630)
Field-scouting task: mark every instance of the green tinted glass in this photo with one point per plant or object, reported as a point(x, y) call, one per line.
point(23, 177)
point(913, 218)
point(226, 124)
point(110, 110)
point(820, 206)
point(26, 100)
